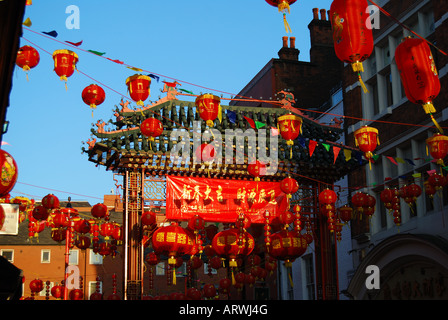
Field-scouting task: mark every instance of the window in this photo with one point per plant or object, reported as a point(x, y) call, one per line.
point(95, 258)
point(73, 257)
point(182, 270)
point(160, 269)
point(309, 277)
point(93, 286)
point(8, 254)
point(389, 94)
point(212, 270)
point(374, 94)
point(45, 256)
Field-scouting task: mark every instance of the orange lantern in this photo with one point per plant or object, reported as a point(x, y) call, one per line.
point(27, 58)
point(366, 138)
point(138, 87)
point(93, 95)
point(353, 39)
point(9, 173)
point(64, 63)
point(290, 127)
point(438, 147)
point(283, 7)
point(418, 73)
point(209, 107)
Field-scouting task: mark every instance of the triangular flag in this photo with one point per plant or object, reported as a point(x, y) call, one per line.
point(169, 84)
point(347, 154)
point(27, 22)
point(274, 131)
point(410, 162)
point(5, 143)
point(375, 157)
point(358, 156)
point(97, 52)
point(251, 122)
point(417, 175)
point(392, 160)
point(76, 44)
point(326, 146)
point(400, 160)
point(430, 172)
point(157, 78)
point(186, 91)
point(311, 146)
point(259, 124)
point(135, 69)
point(301, 141)
point(335, 153)
point(53, 33)
point(231, 116)
point(116, 61)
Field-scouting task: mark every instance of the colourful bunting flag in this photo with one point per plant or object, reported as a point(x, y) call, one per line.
point(135, 69)
point(326, 146)
point(186, 91)
point(76, 44)
point(157, 78)
point(301, 141)
point(400, 160)
point(231, 116)
point(27, 22)
point(259, 124)
point(392, 160)
point(347, 154)
point(116, 61)
point(251, 122)
point(410, 162)
point(53, 33)
point(335, 153)
point(274, 131)
point(311, 146)
point(97, 52)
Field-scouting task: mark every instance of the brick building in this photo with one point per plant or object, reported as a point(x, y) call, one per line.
point(413, 257)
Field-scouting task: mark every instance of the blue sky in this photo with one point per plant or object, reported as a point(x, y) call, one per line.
point(216, 44)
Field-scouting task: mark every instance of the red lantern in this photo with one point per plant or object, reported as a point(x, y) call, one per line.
point(152, 259)
point(287, 246)
point(205, 152)
point(328, 198)
point(149, 218)
point(172, 241)
point(64, 63)
point(226, 245)
point(194, 294)
point(196, 223)
point(438, 147)
point(99, 211)
point(283, 7)
point(58, 234)
point(151, 128)
point(208, 106)
point(209, 291)
point(289, 186)
point(138, 87)
point(290, 127)
point(40, 213)
point(345, 213)
point(257, 169)
point(93, 95)
point(430, 190)
point(57, 291)
point(27, 58)
point(366, 138)
point(50, 201)
point(9, 173)
point(436, 180)
point(418, 72)
point(82, 226)
point(106, 229)
point(76, 294)
point(83, 242)
point(352, 37)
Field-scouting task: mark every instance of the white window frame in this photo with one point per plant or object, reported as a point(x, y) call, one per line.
point(42, 252)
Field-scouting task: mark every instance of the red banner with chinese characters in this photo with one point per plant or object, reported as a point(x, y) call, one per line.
point(222, 200)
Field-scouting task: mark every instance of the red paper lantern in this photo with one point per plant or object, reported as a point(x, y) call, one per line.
point(93, 95)
point(205, 153)
point(366, 138)
point(76, 294)
point(437, 180)
point(287, 246)
point(209, 291)
point(58, 234)
point(430, 190)
point(345, 213)
point(40, 213)
point(226, 245)
point(106, 229)
point(172, 241)
point(50, 201)
point(36, 286)
point(9, 173)
point(352, 38)
point(99, 211)
point(196, 223)
point(64, 63)
point(27, 58)
point(152, 259)
point(290, 127)
point(83, 242)
point(138, 87)
point(194, 294)
point(57, 291)
point(151, 128)
point(82, 226)
point(328, 198)
point(256, 169)
point(289, 186)
point(149, 218)
point(438, 147)
point(208, 106)
point(418, 72)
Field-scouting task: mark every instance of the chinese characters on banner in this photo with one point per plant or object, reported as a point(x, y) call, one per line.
point(223, 200)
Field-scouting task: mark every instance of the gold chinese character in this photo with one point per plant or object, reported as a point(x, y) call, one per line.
point(160, 236)
point(251, 196)
point(182, 238)
point(219, 194)
point(262, 196)
point(241, 194)
point(197, 194)
point(171, 237)
point(272, 194)
point(186, 194)
point(207, 194)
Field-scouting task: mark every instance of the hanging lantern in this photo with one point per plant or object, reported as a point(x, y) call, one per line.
point(328, 198)
point(27, 58)
point(139, 88)
point(352, 38)
point(430, 190)
point(82, 226)
point(283, 7)
point(83, 242)
point(345, 213)
point(366, 138)
point(57, 291)
point(36, 286)
point(149, 218)
point(290, 127)
point(99, 211)
point(151, 128)
point(9, 173)
point(208, 106)
point(64, 63)
point(437, 181)
point(226, 245)
point(418, 74)
point(93, 95)
point(40, 213)
point(438, 147)
point(205, 153)
point(256, 169)
point(50, 201)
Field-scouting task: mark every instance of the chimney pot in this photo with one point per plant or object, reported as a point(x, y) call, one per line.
point(315, 13)
point(285, 42)
point(292, 42)
point(323, 15)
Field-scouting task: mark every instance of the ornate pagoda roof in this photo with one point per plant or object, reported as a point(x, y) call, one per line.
point(123, 147)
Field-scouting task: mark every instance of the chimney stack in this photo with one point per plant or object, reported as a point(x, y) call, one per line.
point(323, 15)
point(316, 13)
point(289, 53)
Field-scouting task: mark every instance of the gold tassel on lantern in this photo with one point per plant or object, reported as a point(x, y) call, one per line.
point(358, 67)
